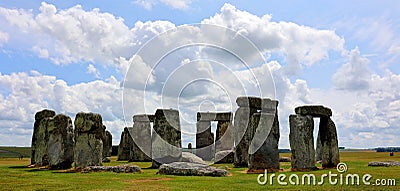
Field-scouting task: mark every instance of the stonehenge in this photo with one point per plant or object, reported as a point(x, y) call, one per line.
point(302, 140)
point(248, 138)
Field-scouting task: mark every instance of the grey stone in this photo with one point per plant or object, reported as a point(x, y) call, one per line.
point(125, 146)
point(318, 150)
point(302, 142)
point(314, 110)
point(226, 156)
point(39, 154)
point(242, 134)
point(192, 158)
point(60, 142)
point(263, 152)
point(166, 137)
point(141, 134)
point(106, 159)
point(329, 143)
point(89, 132)
point(107, 144)
point(118, 169)
point(214, 116)
point(191, 169)
point(285, 159)
point(224, 137)
point(384, 163)
point(253, 102)
point(204, 140)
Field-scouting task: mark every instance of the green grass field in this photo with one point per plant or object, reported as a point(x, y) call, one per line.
point(14, 175)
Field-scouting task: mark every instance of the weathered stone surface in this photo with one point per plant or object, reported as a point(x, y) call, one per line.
point(118, 169)
point(302, 142)
point(88, 134)
point(384, 163)
point(318, 150)
point(314, 110)
point(242, 134)
point(263, 152)
point(190, 147)
point(269, 106)
point(253, 102)
point(106, 159)
point(107, 144)
point(204, 140)
point(190, 169)
point(192, 158)
point(214, 116)
point(60, 142)
point(166, 137)
point(224, 137)
point(39, 154)
point(329, 143)
point(226, 156)
point(285, 159)
point(125, 146)
point(141, 134)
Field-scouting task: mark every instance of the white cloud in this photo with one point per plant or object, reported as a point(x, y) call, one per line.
point(93, 70)
point(3, 38)
point(175, 4)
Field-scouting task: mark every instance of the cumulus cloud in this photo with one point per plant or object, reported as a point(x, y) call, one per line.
point(3, 38)
point(174, 4)
point(93, 70)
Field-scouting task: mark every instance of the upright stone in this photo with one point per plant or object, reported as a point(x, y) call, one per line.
point(224, 137)
point(166, 137)
point(329, 143)
point(318, 150)
point(242, 134)
point(125, 146)
point(107, 144)
point(204, 139)
point(263, 152)
point(89, 132)
point(39, 154)
point(141, 134)
point(302, 142)
point(61, 142)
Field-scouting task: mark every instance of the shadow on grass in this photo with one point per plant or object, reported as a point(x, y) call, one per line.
point(17, 167)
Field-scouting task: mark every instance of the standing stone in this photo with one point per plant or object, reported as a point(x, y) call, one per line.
point(242, 133)
point(141, 134)
point(329, 143)
point(107, 144)
point(166, 137)
point(61, 142)
point(39, 154)
point(318, 150)
point(204, 140)
point(302, 142)
point(263, 152)
point(125, 145)
point(89, 132)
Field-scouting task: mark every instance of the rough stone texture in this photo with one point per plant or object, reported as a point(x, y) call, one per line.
point(141, 134)
point(253, 102)
point(384, 163)
point(314, 110)
point(106, 159)
point(39, 138)
point(166, 137)
point(224, 137)
point(226, 156)
point(263, 152)
point(190, 147)
point(192, 158)
point(125, 146)
point(60, 142)
point(88, 134)
point(120, 168)
point(329, 143)
point(302, 142)
point(318, 150)
point(190, 169)
point(285, 159)
point(204, 140)
point(107, 144)
point(242, 134)
point(214, 116)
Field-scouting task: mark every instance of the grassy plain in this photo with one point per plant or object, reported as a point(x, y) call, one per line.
point(14, 175)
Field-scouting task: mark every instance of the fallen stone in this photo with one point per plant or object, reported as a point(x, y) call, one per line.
point(120, 168)
point(285, 159)
point(106, 159)
point(192, 158)
point(190, 169)
point(314, 110)
point(226, 156)
point(384, 163)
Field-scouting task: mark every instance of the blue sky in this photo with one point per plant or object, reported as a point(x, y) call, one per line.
point(73, 56)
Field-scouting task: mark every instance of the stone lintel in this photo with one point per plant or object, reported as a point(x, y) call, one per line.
point(214, 116)
point(314, 110)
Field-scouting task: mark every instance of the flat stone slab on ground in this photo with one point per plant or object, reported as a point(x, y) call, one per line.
point(314, 110)
point(120, 168)
point(384, 163)
point(190, 169)
point(192, 158)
